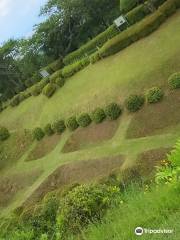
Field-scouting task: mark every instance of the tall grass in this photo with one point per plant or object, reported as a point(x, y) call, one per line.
point(155, 208)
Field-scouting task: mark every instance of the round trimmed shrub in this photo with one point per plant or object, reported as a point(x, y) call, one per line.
point(4, 134)
point(113, 111)
point(60, 82)
point(49, 90)
point(48, 130)
point(98, 115)
point(59, 126)
point(84, 120)
point(134, 102)
point(72, 123)
point(174, 81)
point(154, 95)
point(38, 133)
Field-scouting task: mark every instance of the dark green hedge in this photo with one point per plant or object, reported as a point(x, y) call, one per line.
point(49, 90)
point(91, 46)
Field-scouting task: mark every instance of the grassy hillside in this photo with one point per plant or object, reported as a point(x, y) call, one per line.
point(93, 153)
point(149, 61)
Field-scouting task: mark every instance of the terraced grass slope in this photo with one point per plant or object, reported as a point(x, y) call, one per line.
point(97, 150)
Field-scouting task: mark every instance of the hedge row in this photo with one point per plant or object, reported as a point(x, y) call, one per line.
point(112, 111)
point(139, 30)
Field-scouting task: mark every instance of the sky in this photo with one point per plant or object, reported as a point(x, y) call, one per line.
point(17, 18)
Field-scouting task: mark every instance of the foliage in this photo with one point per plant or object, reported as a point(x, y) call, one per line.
point(82, 205)
point(4, 134)
point(98, 115)
point(70, 24)
point(49, 90)
point(174, 81)
point(127, 5)
point(38, 133)
point(55, 75)
point(138, 30)
point(154, 95)
point(48, 130)
point(59, 126)
point(15, 101)
point(60, 82)
point(169, 172)
point(70, 70)
point(137, 14)
point(134, 102)
point(113, 111)
point(72, 123)
point(36, 90)
point(84, 120)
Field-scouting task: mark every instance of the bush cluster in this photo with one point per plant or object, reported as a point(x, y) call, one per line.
point(154, 95)
point(174, 81)
point(49, 90)
point(134, 102)
point(84, 120)
point(4, 134)
point(113, 111)
point(72, 123)
point(98, 115)
point(59, 126)
point(38, 134)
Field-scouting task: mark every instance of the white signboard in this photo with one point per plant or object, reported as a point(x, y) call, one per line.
point(44, 73)
point(120, 21)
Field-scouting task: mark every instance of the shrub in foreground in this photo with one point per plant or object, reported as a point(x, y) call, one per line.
point(84, 120)
point(134, 102)
point(49, 90)
point(82, 205)
point(72, 123)
point(98, 115)
point(154, 95)
point(59, 126)
point(4, 134)
point(174, 81)
point(38, 134)
point(48, 130)
point(113, 111)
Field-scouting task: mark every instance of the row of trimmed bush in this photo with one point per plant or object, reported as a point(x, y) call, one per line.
point(112, 111)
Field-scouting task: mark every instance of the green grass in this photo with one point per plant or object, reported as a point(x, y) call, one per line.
point(156, 209)
point(145, 63)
